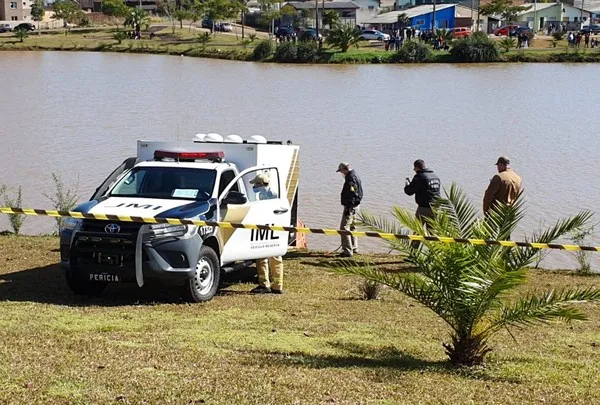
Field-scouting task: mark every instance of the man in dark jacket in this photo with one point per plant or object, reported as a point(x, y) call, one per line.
point(351, 197)
point(426, 188)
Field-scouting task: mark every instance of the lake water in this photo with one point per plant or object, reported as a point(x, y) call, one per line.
point(79, 115)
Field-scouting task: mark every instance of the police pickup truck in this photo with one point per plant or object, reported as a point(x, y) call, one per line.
point(207, 179)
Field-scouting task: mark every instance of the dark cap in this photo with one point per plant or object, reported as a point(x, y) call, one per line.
point(343, 165)
point(503, 160)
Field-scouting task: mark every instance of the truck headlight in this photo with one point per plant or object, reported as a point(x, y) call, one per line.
point(71, 223)
point(168, 231)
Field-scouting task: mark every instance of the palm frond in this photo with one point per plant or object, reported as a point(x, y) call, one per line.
point(415, 285)
point(502, 219)
point(541, 307)
point(526, 256)
point(458, 208)
point(382, 224)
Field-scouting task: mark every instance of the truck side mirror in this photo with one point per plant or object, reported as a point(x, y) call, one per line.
point(234, 197)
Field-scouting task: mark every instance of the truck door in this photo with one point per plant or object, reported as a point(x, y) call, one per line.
point(264, 206)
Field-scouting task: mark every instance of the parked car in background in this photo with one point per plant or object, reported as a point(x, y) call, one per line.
point(519, 31)
point(5, 28)
point(505, 30)
point(206, 23)
point(374, 35)
point(460, 32)
point(26, 26)
point(225, 27)
point(308, 34)
point(591, 28)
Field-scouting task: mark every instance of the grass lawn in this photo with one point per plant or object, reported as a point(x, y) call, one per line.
point(101, 39)
point(316, 344)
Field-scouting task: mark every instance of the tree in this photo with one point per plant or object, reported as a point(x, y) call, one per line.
point(331, 18)
point(181, 15)
point(22, 34)
point(474, 288)
point(343, 37)
point(505, 8)
point(135, 19)
point(68, 11)
point(115, 8)
point(403, 21)
point(269, 13)
point(38, 12)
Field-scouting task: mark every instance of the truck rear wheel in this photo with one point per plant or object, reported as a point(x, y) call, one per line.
point(203, 286)
point(84, 287)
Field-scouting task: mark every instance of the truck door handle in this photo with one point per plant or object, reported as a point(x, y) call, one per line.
point(280, 211)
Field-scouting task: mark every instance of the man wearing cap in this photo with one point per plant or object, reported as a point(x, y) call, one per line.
point(504, 187)
point(270, 270)
point(425, 186)
point(351, 197)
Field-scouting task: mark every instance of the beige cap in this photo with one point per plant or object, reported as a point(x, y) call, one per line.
point(262, 178)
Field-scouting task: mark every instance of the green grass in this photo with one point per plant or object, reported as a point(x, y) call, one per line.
point(316, 344)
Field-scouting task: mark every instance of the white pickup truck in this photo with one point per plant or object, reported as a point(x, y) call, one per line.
point(204, 179)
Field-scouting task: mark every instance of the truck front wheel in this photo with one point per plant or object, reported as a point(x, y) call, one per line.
point(203, 286)
point(84, 287)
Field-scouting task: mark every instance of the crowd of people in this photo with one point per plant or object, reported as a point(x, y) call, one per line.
point(574, 40)
point(425, 185)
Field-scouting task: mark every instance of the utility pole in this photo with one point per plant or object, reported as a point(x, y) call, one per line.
point(534, 16)
point(472, 23)
point(581, 16)
point(317, 17)
point(433, 18)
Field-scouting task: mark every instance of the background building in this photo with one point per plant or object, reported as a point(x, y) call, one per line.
point(15, 10)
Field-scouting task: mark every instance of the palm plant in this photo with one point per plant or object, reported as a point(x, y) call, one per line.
point(444, 35)
point(135, 19)
point(403, 21)
point(472, 286)
point(343, 37)
point(22, 34)
point(507, 43)
point(331, 18)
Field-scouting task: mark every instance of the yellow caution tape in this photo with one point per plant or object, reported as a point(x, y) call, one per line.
point(330, 232)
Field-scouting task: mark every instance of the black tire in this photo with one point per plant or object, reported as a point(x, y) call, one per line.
point(203, 286)
point(84, 287)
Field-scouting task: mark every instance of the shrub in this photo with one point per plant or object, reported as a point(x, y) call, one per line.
point(580, 236)
point(15, 201)
point(477, 48)
point(263, 50)
point(307, 52)
point(558, 36)
point(412, 52)
point(64, 199)
point(286, 53)
point(369, 290)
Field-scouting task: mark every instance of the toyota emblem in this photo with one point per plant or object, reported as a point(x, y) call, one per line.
point(112, 228)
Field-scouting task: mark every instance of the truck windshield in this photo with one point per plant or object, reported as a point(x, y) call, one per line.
point(167, 183)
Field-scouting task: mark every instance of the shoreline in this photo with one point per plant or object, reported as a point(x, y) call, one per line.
point(328, 58)
point(229, 47)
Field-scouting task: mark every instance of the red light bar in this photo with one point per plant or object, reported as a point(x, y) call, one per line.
point(188, 155)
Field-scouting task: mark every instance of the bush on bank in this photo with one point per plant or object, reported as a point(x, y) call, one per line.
point(473, 49)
